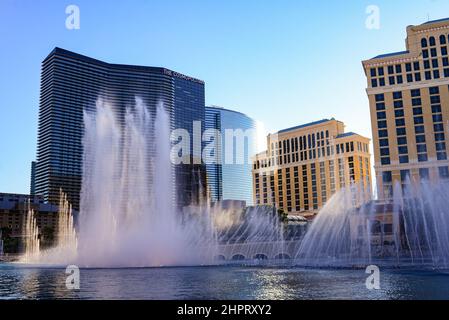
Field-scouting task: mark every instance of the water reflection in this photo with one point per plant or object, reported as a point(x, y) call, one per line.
point(234, 282)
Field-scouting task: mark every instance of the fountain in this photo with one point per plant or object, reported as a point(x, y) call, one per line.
point(1, 244)
point(409, 229)
point(127, 214)
point(128, 218)
point(31, 238)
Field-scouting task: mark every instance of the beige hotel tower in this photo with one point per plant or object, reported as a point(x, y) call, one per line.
point(305, 165)
point(408, 95)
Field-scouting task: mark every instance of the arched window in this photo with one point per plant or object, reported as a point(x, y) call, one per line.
point(424, 43)
point(432, 41)
point(442, 39)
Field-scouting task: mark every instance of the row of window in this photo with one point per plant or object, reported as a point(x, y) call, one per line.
point(424, 174)
point(418, 121)
point(310, 154)
point(267, 193)
point(430, 63)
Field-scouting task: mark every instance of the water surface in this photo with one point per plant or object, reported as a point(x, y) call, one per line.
point(220, 282)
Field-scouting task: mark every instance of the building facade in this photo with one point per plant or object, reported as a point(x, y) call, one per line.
point(229, 177)
point(14, 208)
point(408, 94)
point(305, 165)
point(72, 83)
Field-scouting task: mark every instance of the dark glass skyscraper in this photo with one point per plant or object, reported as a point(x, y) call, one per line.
point(231, 177)
point(71, 83)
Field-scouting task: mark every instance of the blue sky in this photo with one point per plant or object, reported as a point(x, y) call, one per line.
point(281, 62)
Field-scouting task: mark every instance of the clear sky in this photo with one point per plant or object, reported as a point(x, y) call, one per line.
point(281, 62)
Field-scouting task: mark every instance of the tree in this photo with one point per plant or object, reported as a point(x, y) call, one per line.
point(10, 244)
point(283, 216)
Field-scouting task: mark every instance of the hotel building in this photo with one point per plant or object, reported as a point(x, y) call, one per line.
point(72, 83)
point(305, 165)
point(231, 180)
point(14, 208)
point(408, 94)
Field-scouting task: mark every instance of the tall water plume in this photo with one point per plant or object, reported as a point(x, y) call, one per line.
point(31, 242)
point(409, 228)
point(127, 215)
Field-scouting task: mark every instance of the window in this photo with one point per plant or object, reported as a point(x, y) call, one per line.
point(442, 39)
point(380, 106)
point(427, 64)
point(408, 67)
point(402, 140)
point(398, 113)
point(435, 99)
point(398, 104)
point(440, 146)
point(433, 52)
point(422, 157)
point(417, 76)
point(399, 79)
point(385, 161)
point(418, 120)
point(409, 77)
point(382, 134)
point(403, 159)
point(391, 80)
point(382, 124)
point(416, 65)
point(425, 54)
point(434, 90)
point(439, 136)
point(380, 71)
point(444, 51)
point(381, 115)
point(390, 69)
point(438, 127)
point(400, 131)
point(374, 83)
point(432, 41)
point(403, 150)
point(417, 111)
point(435, 63)
point(384, 152)
point(419, 129)
point(405, 174)
point(398, 68)
point(400, 122)
point(446, 73)
point(437, 118)
point(397, 95)
point(383, 142)
point(373, 72)
point(441, 156)
point(424, 173)
point(420, 148)
point(428, 75)
point(436, 74)
point(424, 43)
point(443, 172)
point(416, 102)
point(416, 93)
point(387, 177)
point(420, 139)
